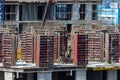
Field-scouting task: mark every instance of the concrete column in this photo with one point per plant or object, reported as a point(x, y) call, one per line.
point(17, 13)
point(17, 17)
point(75, 11)
point(107, 47)
point(54, 12)
point(44, 76)
point(112, 75)
point(2, 75)
point(8, 76)
point(30, 76)
point(80, 75)
point(95, 75)
point(88, 11)
point(52, 15)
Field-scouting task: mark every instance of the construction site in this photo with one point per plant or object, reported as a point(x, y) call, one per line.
point(59, 40)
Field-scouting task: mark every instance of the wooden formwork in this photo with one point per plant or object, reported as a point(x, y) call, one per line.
point(95, 47)
point(27, 47)
point(79, 49)
point(9, 43)
point(114, 47)
point(45, 50)
point(1, 46)
point(56, 55)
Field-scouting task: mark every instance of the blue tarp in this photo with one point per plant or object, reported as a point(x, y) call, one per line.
point(2, 12)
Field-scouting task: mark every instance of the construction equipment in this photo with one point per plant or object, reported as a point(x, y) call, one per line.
point(19, 53)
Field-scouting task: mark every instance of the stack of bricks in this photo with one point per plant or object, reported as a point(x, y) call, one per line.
point(27, 47)
point(9, 43)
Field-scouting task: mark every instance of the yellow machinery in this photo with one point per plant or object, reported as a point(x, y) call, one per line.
point(19, 54)
point(112, 68)
point(19, 51)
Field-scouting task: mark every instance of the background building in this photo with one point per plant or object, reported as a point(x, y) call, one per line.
point(110, 13)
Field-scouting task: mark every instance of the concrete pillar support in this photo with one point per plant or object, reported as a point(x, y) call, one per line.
point(44, 76)
point(88, 10)
point(30, 76)
point(1, 75)
point(8, 76)
point(80, 75)
point(17, 16)
point(112, 75)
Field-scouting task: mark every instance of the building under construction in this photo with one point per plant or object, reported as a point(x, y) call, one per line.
point(58, 40)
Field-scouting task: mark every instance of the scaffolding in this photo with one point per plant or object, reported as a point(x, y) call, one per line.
point(114, 52)
point(95, 47)
point(27, 47)
point(45, 50)
point(9, 49)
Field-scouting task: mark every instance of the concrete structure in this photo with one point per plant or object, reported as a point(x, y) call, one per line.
point(110, 13)
point(22, 13)
point(57, 75)
point(80, 75)
point(44, 76)
point(113, 74)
